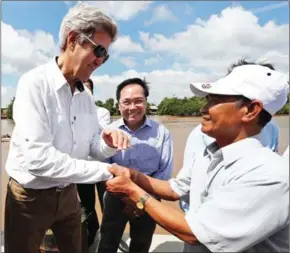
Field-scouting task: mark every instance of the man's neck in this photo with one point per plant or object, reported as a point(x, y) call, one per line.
point(246, 132)
point(66, 71)
point(135, 127)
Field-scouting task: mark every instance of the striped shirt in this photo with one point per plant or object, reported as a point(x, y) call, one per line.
point(151, 150)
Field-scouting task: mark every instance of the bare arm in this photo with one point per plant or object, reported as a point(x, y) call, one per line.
point(174, 220)
point(157, 187)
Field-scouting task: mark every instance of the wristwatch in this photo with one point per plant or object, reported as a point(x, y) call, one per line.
point(141, 202)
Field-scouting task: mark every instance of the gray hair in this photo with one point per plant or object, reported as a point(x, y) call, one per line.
point(86, 19)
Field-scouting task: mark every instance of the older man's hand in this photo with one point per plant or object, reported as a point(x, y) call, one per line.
point(118, 170)
point(116, 138)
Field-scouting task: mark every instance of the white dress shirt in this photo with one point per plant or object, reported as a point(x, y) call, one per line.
point(55, 131)
point(239, 198)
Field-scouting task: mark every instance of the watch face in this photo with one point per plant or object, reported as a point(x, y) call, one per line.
point(140, 205)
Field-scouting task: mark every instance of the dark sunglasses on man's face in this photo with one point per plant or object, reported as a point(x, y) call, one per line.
point(99, 50)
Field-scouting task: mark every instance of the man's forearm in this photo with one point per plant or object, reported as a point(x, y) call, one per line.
point(173, 221)
point(156, 187)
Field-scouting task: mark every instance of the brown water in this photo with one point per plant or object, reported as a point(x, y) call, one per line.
point(180, 127)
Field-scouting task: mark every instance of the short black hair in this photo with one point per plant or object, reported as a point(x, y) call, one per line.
point(91, 83)
point(264, 116)
point(130, 81)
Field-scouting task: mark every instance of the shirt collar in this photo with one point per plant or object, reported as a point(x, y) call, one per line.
point(120, 123)
point(234, 151)
point(58, 77)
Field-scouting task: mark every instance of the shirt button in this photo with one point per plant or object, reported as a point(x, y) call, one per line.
point(75, 143)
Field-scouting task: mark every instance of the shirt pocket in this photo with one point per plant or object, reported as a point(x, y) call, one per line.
point(58, 121)
point(149, 163)
point(85, 127)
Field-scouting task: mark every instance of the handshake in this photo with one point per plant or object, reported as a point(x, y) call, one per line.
point(122, 185)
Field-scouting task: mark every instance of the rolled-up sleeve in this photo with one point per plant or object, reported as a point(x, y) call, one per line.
point(181, 184)
point(36, 141)
point(239, 214)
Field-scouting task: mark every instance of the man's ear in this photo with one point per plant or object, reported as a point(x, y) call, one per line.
point(252, 110)
point(71, 40)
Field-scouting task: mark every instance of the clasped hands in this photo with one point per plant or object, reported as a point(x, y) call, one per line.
point(123, 187)
point(121, 184)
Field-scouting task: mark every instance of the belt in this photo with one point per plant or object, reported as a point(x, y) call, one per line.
point(56, 188)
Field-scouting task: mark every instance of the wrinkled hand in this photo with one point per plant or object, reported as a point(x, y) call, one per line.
point(118, 170)
point(120, 184)
point(116, 139)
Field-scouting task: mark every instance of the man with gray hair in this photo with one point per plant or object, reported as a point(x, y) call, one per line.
point(56, 129)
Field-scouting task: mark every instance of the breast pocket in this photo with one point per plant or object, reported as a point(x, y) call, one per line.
point(85, 127)
point(149, 161)
point(58, 121)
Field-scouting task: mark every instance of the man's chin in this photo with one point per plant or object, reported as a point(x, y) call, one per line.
point(206, 130)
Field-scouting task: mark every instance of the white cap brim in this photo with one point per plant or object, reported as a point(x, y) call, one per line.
point(197, 89)
point(203, 89)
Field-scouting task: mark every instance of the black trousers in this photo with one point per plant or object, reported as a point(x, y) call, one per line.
point(87, 196)
point(114, 222)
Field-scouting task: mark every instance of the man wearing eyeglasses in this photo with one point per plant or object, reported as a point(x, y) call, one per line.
point(150, 153)
point(55, 131)
point(238, 189)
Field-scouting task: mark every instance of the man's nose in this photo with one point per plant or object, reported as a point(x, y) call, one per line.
point(204, 109)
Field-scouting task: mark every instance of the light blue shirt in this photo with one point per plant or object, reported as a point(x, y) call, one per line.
point(151, 150)
point(197, 141)
point(239, 198)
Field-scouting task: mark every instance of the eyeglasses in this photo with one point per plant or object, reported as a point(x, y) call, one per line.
point(138, 102)
point(99, 50)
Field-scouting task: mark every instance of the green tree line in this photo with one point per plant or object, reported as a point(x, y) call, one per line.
point(168, 106)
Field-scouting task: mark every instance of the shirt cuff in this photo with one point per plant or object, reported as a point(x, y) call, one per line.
point(200, 233)
point(107, 150)
point(96, 171)
point(175, 187)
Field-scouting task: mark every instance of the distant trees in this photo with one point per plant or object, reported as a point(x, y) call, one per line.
point(168, 106)
point(9, 112)
point(285, 108)
point(180, 107)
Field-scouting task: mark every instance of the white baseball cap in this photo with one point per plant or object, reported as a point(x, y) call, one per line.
point(253, 82)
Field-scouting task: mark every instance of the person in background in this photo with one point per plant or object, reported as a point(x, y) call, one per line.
point(87, 191)
point(151, 153)
point(238, 189)
point(103, 114)
point(56, 129)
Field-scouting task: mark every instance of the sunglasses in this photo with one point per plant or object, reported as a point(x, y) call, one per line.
point(99, 50)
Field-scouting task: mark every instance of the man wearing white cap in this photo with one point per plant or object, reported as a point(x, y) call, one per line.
point(197, 140)
point(238, 189)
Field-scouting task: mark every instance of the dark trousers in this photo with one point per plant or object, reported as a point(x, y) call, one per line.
point(29, 213)
point(88, 200)
point(114, 222)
